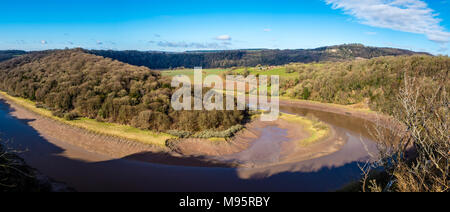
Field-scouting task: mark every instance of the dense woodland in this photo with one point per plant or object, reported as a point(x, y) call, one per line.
point(237, 58)
point(74, 84)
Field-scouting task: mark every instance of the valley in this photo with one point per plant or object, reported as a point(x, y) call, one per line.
point(121, 121)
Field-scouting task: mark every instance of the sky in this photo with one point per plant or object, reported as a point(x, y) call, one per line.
point(183, 25)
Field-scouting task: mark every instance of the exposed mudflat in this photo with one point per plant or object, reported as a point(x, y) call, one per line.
point(83, 145)
point(62, 134)
point(263, 144)
point(128, 166)
point(259, 144)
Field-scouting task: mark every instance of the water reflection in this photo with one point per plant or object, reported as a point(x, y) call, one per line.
point(266, 149)
point(355, 150)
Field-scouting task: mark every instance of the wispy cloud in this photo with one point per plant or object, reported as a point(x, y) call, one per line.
point(44, 42)
point(193, 45)
point(223, 37)
point(267, 30)
point(412, 16)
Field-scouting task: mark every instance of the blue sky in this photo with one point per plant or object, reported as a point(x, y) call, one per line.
point(180, 25)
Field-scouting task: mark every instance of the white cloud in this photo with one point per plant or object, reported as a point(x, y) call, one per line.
point(412, 16)
point(43, 42)
point(267, 30)
point(223, 37)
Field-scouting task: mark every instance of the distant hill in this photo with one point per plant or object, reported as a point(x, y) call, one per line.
point(249, 57)
point(9, 54)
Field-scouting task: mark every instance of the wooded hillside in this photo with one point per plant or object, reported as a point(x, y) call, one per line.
point(73, 83)
point(377, 80)
point(235, 58)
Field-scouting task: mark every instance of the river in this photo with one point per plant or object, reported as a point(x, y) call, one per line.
point(326, 173)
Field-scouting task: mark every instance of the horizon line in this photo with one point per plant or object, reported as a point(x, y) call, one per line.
point(220, 50)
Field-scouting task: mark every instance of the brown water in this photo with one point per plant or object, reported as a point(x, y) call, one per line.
point(322, 174)
point(264, 150)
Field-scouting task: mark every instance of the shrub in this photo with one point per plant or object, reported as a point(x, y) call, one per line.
point(58, 114)
point(71, 116)
point(219, 134)
point(179, 134)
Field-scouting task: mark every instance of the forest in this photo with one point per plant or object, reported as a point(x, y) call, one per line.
point(72, 84)
point(238, 58)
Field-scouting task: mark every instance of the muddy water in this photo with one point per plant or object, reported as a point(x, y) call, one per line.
point(264, 150)
point(346, 123)
point(66, 163)
point(359, 147)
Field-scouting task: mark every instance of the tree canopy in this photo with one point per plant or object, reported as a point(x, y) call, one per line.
point(236, 58)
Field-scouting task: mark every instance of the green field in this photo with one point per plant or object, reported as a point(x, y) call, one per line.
point(279, 70)
point(190, 72)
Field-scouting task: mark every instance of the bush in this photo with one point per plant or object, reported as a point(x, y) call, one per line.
point(219, 134)
point(179, 134)
point(58, 114)
point(71, 116)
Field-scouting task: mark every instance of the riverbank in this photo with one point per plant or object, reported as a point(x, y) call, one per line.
point(306, 141)
point(81, 144)
point(60, 131)
point(101, 128)
point(360, 110)
point(68, 163)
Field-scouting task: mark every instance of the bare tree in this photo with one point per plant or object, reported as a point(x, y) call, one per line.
point(414, 148)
